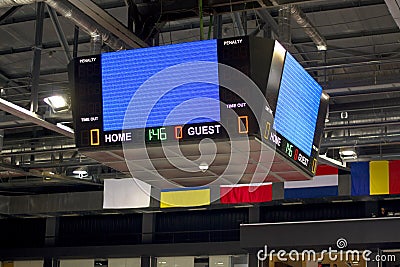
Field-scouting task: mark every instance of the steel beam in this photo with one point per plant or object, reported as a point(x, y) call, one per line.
point(217, 27)
point(108, 22)
point(9, 13)
point(60, 33)
point(266, 17)
point(238, 23)
point(48, 45)
point(76, 42)
point(7, 80)
point(284, 26)
point(244, 21)
point(131, 11)
point(352, 35)
point(315, 8)
point(42, 73)
point(32, 117)
point(37, 56)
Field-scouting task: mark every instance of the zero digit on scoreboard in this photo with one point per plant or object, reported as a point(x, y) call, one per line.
point(243, 124)
point(178, 132)
point(314, 166)
point(267, 130)
point(296, 154)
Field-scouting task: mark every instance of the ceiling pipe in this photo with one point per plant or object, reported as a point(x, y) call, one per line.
point(79, 18)
point(303, 21)
point(85, 23)
point(95, 44)
point(10, 3)
point(284, 27)
point(310, 30)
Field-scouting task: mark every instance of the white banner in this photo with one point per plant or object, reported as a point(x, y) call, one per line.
point(126, 193)
point(317, 181)
point(77, 263)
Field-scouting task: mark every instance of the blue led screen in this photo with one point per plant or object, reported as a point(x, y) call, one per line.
point(298, 104)
point(124, 72)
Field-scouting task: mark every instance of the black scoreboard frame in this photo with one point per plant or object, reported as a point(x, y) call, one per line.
point(255, 57)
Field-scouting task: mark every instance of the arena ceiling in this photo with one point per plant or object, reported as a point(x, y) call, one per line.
point(359, 70)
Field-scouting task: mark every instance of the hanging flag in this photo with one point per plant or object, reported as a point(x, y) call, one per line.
point(379, 177)
point(126, 193)
point(394, 177)
point(375, 178)
point(324, 184)
point(246, 193)
point(185, 197)
point(359, 178)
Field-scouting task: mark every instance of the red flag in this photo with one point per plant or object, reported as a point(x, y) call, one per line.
point(394, 177)
point(246, 193)
point(326, 170)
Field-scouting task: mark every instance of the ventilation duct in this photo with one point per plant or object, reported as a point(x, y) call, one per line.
point(88, 25)
point(95, 44)
point(10, 3)
point(79, 18)
point(310, 30)
point(302, 20)
point(284, 27)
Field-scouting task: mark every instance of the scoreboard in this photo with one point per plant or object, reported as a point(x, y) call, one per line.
point(106, 116)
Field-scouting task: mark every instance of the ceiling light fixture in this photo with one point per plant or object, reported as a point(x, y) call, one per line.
point(81, 172)
point(322, 47)
point(348, 153)
point(57, 102)
point(203, 166)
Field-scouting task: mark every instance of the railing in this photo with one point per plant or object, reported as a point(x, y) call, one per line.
point(197, 236)
point(94, 239)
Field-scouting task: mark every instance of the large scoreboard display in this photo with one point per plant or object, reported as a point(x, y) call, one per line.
point(104, 85)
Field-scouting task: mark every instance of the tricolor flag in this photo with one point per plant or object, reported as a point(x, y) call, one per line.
point(245, 193)
point(375, 178)
point(185, 197)
point(324, 184)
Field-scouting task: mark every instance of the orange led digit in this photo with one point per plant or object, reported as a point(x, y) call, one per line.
point(178, 132)
point(94, 137)
point(245, 121)
point(267, 130)
point(314, 166)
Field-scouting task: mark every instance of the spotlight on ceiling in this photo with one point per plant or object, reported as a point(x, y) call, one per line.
point(203, 167)
point(57, 102)
point(348, 153)
point(322, 47)
point(81, 172)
